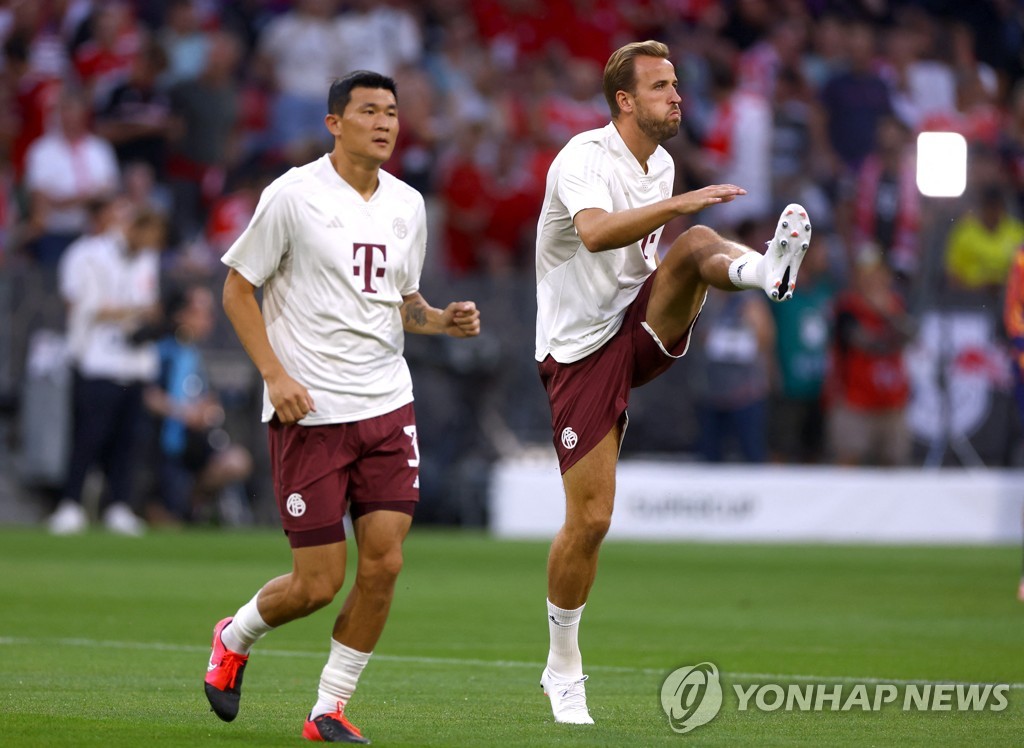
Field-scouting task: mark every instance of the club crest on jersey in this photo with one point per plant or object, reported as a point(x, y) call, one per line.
point(569, 438)
point(663, 188)
point(399, 227)
point(295, 505)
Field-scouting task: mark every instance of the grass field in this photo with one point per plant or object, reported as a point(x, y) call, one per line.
point(104, 641)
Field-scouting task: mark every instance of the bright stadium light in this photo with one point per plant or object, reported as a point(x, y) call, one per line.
point(941, 164)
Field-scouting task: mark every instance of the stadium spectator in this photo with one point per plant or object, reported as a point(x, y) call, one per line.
point(463, 188)
point(196, 460)
point(887, 203)
point(35, 91)
point(379, 35)
point(799, 143)
point(760, 65)
point(574, 104)
point(109, 279)
point(299, 50)
point(184, 41)
point(922, 89)
point(868, 386)
point(796, 426)
point(733, 365)
point(204, 145)
point(826, 57)
point(611, 318)
point(855, 99)
point(65, 170)
point(1011, 146)
point(338, 395)
point(105, 57)
point(135, 117)
point(982, 243)
point(452, 64)
point(737, 149)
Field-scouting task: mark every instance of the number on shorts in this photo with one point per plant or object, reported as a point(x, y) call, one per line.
point(411, 432)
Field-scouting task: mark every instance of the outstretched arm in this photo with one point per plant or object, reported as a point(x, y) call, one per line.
point(460, 319)
point(290, 399)
point(600, 230)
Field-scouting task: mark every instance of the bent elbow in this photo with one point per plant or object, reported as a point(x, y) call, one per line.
point(593, 241)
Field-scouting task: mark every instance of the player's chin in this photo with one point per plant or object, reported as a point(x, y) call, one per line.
point(383, 149)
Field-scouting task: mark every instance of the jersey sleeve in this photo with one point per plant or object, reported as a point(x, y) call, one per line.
point(258, 251)
point(584, 180)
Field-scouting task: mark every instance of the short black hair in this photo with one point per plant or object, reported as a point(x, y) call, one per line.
point(341, 90)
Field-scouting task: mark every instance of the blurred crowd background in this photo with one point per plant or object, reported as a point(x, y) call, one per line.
point(900, 347)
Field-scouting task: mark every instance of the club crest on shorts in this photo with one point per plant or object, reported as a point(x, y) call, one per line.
point(295, 505)
point(569, 437)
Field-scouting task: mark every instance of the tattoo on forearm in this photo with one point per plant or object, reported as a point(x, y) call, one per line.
point(416, 314)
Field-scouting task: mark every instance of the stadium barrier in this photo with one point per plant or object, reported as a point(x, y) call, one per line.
point(664, 501)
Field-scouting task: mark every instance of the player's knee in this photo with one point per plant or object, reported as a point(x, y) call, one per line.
point(312, 595)
point(589, 528)
point(697, 236)
point(596, 527)
point(692, 246)
point(381, 570)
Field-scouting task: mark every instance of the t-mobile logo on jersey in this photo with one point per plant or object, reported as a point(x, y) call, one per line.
point(366, 268)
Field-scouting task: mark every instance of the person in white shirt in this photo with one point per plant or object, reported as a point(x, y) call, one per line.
point(611, 317)
point(337, 246)
point(66, 169)
point(110, 282)
point(299, 50)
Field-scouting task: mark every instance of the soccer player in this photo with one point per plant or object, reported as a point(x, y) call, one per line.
point(610, 317)
point(337, 246)
point(1013, 324)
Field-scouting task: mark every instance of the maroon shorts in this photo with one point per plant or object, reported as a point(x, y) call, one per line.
point(589, 396)
point(320, 472)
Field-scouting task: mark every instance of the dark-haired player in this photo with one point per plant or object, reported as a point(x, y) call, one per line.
point(337, 246)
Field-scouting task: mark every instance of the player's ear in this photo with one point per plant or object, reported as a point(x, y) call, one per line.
point(333, 123)
point(625, 101)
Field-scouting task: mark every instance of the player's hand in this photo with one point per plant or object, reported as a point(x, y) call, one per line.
point(462, 319)
point(291, 401)
point(713, 194)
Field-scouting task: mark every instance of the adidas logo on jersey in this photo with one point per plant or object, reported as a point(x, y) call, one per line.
point(335, 223)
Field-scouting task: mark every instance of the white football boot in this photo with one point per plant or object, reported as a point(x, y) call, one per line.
point(785, 252)
point(568, 699)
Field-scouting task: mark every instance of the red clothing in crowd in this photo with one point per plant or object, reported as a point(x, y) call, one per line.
point(867, 369)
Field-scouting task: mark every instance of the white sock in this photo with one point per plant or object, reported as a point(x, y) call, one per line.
point(564, 658)
point(747, 271)
point(245, 629)
point(339, 677)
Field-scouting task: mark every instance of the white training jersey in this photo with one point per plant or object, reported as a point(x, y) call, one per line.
point(582, 295)
point(334, 268)
point(97, 272)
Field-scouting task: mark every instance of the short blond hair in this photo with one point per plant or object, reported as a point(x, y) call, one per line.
point(620, 72)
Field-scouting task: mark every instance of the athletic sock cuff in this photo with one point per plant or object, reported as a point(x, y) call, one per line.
point(564, 617)
point(745, 271)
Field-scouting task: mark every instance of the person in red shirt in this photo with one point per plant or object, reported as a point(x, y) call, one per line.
point(105, 59)
point(868, 386)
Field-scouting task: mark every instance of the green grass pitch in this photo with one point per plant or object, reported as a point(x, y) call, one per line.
point(104, 641)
